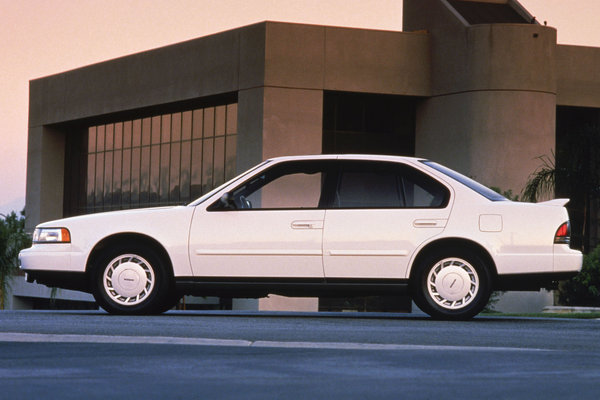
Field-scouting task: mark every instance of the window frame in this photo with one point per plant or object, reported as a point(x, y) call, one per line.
point(404, 170)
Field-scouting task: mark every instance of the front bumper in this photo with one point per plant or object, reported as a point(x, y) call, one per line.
point(52, 257)
point(52, 265)
point(46, 256)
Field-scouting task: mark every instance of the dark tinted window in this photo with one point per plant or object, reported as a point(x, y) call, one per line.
point(368, 189)
point(365, 184)
point(368, 123)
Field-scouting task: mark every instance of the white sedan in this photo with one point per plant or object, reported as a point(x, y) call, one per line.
point(329, 225)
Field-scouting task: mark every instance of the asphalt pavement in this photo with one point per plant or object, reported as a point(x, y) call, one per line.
point(246, 355)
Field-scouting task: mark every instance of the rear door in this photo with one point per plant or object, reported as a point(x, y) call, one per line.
point(379, 214)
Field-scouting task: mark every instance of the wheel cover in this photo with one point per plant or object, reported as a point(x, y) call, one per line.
point(453, 283)
point(128, 279)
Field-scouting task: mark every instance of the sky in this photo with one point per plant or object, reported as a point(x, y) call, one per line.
point(44, 37)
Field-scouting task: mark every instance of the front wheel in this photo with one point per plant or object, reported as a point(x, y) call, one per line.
point(131, 280)
point(451, 285)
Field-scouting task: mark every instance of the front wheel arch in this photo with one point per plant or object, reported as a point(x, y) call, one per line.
point(135, 239)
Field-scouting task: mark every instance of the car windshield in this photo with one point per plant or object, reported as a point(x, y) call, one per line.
point(204, 197)
point(468, 182)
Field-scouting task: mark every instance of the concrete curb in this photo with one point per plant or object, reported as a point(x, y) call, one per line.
point(569, 310)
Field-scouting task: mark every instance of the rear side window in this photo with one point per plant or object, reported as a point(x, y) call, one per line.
point(366, 184)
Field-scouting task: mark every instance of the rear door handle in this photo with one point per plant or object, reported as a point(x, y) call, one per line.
point(430, 223)
point(307, 224)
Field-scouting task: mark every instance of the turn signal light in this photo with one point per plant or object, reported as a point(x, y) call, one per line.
point(563, 234)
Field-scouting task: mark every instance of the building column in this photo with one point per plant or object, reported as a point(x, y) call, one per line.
point(45, 175)
point(492, 112)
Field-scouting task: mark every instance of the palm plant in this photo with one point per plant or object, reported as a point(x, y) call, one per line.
point(541, 182)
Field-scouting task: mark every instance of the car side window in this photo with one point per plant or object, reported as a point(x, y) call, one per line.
point(294, 190)
point(368, 189)
point(288, 185)
point(386, 185)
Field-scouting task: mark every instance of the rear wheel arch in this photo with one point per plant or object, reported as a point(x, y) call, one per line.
point(448, 244)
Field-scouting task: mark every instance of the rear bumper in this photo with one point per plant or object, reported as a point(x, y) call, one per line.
point(566, 264)
point(567, 259)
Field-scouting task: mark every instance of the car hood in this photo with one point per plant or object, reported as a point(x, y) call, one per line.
point(108, 215)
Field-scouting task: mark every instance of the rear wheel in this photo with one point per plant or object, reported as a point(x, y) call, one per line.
point(451, 285)
point(132, 280)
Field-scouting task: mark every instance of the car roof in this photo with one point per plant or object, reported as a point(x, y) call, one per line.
point(372, 157)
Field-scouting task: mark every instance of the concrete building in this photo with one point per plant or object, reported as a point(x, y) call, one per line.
point(477, 85)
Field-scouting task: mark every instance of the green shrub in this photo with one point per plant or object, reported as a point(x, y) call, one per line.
point(583, 289)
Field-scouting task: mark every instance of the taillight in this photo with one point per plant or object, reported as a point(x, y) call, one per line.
point(563, 234)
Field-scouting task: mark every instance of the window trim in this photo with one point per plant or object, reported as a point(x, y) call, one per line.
point(398, 166)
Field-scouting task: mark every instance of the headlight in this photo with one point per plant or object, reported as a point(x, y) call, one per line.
point(51, 235)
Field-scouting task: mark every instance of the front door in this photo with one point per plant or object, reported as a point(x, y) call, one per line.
point(271, 226)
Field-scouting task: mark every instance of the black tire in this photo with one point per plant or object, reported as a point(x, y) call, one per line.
point(451, 284)
point(132, 279)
